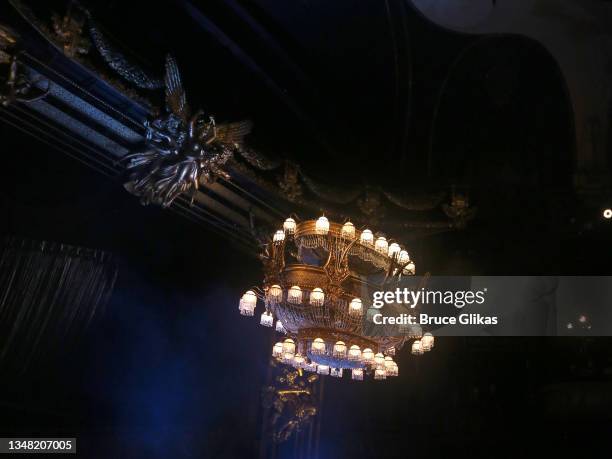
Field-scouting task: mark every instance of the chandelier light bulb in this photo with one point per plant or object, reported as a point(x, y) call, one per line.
point(266, 319)
point(394, 249)
point(277, 350)
point(379, 360)
point(381, 245)
point(348, 230)
point(289, 346)
point(275, 293)
point(279, 327)
point(403, 257)
point(323, 369)
point(607, 214)
point(393, 370)
point(289, 226)
point(298, 361)
point(310, 366)
point(417, 349)
point(367, 237)
point(295, 295)
point(317, 297)
point(355, 307)
point(367, 356)
point(317, 347)
point(415, 331)
point(372, 311)
point(357, 374)
point(279, 236)
point(354, 353)
point(409, 269)
point(336, 372)
point(322, 226)
point(427, 341)
point(247, 303)
point(380, 374)
point(339, 350)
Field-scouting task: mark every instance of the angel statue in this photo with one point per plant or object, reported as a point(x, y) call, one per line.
point(183, 150)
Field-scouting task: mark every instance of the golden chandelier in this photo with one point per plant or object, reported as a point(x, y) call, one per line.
point(318, 286)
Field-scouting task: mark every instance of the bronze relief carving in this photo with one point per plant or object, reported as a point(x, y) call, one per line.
point(16, 82)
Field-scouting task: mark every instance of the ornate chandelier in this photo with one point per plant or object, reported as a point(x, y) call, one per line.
point(317, 285)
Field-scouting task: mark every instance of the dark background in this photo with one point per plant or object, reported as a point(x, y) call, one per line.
point(171, 369)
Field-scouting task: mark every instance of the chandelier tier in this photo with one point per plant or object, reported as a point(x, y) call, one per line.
point(317, 285)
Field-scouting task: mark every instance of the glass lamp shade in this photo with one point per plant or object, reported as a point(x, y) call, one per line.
point(403, 257)
point(310, 366)
point(288, 358)
point(289, 226)
point(366, 237)
point(427, 341)
point(339, 349)
point(279, 236)
point(409, 270)
point(355, 307)
point(380, 374)
point(317, 347)
point(322, 226)
point(317, 297)
point(389, 361)
point(357, 374)
point(289, 346)
point(394, 250)
point(367, 356)
point(275, 293)
point(379, 360)
point(393, 370)
point(279, 327)
point(336, 372)
point(294, 295)
point(417, 349)
point(277, 350)
point(298, 361)
point(372, 311)
point(381, 245)
point(348, 230)
point(323, 369)
point(248, 303)
point(415, 331)
point(266, 319)
point(354, 353)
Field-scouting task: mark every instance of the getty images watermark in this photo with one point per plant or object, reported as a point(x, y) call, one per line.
point(489, 306)
point(402, 302)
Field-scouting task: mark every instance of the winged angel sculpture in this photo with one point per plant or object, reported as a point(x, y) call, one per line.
point(184, 150)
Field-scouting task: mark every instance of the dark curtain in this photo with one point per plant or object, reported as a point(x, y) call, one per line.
point(49, 293)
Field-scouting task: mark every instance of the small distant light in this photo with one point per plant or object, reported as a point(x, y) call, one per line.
point(607, 214)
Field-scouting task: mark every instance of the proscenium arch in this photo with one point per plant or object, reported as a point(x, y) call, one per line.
point(466, 82)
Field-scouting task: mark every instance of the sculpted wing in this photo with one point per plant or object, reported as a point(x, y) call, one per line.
point(233, 133)
point(176, 99)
